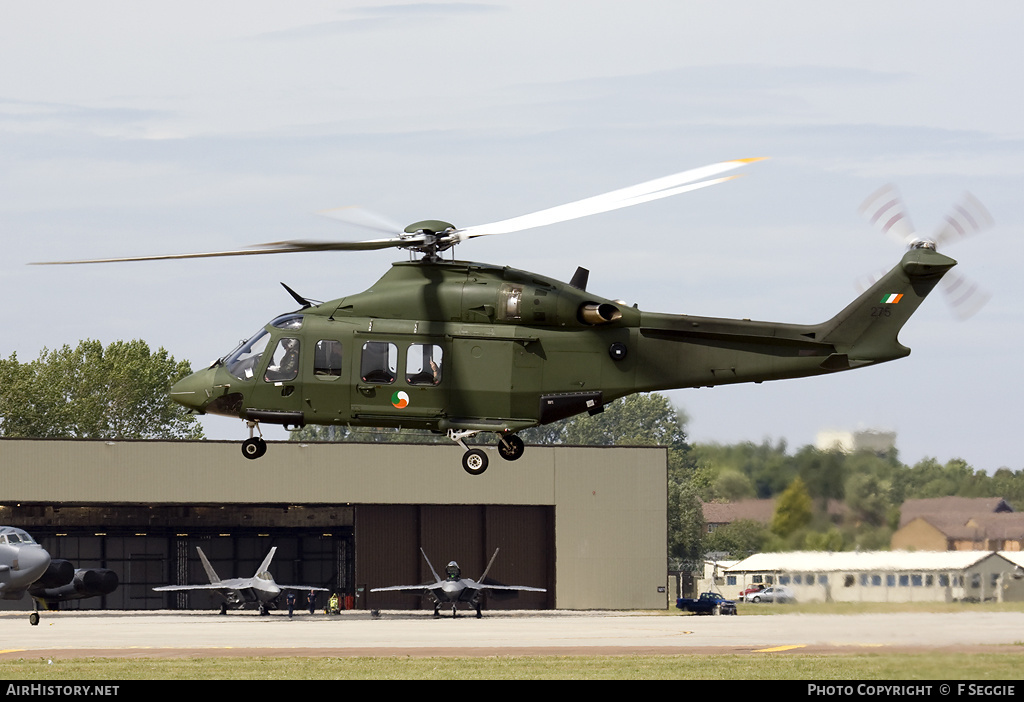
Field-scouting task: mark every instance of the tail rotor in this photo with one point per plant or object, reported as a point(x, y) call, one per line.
point(885, 210)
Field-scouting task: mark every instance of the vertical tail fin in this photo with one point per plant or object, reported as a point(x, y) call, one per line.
point(489, 564)
point(265, 565)
point(210, 572)
point(866, 331)
point(432, 571)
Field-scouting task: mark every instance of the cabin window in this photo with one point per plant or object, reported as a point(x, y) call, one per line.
point(284, 362)
point(379, 363)
point(327, 359)
point(423, 364)
point(243, 361)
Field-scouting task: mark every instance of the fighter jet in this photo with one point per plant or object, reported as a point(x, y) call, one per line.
point(454, 588)
point(259, 590)
point(25, 566)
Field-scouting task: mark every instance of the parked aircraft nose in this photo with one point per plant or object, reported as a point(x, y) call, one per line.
point(193, 391)
point(32, 562)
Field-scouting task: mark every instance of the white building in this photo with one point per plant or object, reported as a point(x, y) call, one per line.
point(879, 576)
point(874, 440)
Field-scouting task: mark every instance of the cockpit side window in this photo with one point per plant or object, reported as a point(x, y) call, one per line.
point(243, 361)
point(327, 359)
point(284, 362)
point(423, 364)
point(379, 363)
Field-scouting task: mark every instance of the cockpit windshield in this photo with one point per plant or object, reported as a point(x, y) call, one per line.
point(16, 536)
point(243, 361)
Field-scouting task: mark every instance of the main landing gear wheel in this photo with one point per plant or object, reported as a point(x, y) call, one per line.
point(510, 447)
point(33, 618)
point(254, 447)
point(474, 461)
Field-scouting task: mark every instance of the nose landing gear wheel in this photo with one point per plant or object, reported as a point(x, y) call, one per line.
point(474, 461)
point(254, 447)
point(510, 447)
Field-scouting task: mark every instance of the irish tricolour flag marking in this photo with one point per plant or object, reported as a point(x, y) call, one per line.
point(892, 299)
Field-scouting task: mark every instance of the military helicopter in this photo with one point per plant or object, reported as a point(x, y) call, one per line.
point(460, 348)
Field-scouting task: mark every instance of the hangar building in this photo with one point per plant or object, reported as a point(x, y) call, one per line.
point(587, 523)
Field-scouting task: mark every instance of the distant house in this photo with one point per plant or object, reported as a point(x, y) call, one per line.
point(718, 514)
point(911, 509)
point(959, 524)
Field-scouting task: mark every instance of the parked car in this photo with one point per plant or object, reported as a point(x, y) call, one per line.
point(707, 603)
point(751, 591)
point(771, 594)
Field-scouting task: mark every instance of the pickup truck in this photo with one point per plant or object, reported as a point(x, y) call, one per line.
point(707, 603)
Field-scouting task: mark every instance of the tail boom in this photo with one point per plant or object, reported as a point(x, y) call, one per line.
point(682, 351)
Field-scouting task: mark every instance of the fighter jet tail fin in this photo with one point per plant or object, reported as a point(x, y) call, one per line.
point(265, 565)
point(489, 564)
point(433, 572)
point(210, 572)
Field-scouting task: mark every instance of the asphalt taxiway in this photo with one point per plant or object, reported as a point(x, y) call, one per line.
point(161, 634)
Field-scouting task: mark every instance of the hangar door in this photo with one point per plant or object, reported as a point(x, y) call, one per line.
point(388, 539)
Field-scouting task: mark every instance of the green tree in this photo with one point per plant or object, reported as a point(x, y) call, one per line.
point(92, 392)
point(739, 539)
point(823, 472)
point(685, 524)
point(867, 496)
point(732, 485)
point(793, 509)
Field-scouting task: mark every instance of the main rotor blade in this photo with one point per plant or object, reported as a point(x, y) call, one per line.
point(616, 199)
point(361, 217)
point(297, 246)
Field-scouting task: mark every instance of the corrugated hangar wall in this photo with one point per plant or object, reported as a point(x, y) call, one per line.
point(587, 523)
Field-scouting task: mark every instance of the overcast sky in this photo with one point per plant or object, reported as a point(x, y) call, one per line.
point(132, 128)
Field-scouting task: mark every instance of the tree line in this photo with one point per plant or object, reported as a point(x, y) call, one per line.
point(92, 391)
